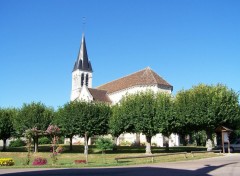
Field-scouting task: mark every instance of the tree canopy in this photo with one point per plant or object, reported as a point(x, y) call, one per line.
point(33, 116)
point(6, 124)
point(205, 107)
point(79, 118)
point(144, 112)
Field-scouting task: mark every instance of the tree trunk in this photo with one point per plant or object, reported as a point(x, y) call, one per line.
point(35, 144)
point(209, 143)
point(167, 145)
point(115, 141)
point(137, 142)
point(86, 147)
point(71, 148)
point(148, 144)
point(183, 139)
point(4, 145)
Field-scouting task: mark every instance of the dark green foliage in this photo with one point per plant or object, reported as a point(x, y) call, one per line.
point(67, 118)
point(200, 138)
point(104, 144)
point(17, 143)
point(144, 112)
point(33, 116)
point(6, 124)
point(44, 140)
point(115, 127)
point(205, 107)
point(78, 118)
point(165, 115)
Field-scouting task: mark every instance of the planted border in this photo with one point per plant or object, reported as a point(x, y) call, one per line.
point(6, 162)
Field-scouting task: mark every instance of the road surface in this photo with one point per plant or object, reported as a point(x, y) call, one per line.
point(228, 165)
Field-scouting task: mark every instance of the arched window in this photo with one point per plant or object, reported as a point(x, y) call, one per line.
point(87, 80)
point(82, 79)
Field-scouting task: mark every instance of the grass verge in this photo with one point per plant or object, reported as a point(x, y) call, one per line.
point(96, 159)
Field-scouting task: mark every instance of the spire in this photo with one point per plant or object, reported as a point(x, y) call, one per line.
point(82, 62)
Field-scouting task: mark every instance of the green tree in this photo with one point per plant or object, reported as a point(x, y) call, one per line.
point(165, 115)
point(104, 144)
point(184, 107)
point(85, 119)
point(6, 124)
point(140, 114)
point(206, 107)
point(119, 121)
point(95, 121)
point(67, 119)
point(35, 116)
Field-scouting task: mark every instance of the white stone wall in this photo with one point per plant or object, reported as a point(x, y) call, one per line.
point(85, 95)
point(76, 83)
point(117, 96)
point(157, 140)
point(8, 142)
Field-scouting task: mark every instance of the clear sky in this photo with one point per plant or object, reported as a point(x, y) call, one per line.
point(187, 42)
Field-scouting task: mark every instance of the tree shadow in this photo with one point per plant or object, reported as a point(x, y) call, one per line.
point(129, 171)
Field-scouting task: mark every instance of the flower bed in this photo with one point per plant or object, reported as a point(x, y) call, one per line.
point(39, 161)
point(6, 162)
point(80, 162)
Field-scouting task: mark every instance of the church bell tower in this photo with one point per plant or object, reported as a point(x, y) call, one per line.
point(82, 71)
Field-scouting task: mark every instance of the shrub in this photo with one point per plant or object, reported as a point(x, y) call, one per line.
point(6, 162)
point(61, 140)
point(39, 161)
point(104, 144)
point(44, 140)
point(59, 149)
point(17, 143)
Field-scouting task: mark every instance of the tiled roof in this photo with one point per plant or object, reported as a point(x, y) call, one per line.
point(142, 77)
point(99, 95)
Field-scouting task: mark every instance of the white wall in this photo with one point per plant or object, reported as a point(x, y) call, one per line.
point(157, 139)
point(117, 96)
point(85, 95)
point(76, 83)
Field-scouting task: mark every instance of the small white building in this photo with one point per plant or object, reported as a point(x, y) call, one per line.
point(114, 91)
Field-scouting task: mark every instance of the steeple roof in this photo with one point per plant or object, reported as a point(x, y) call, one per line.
point(142, 77)
point(82, 62)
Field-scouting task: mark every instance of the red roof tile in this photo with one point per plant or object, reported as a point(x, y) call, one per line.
point(99, 95)
point(142, 77)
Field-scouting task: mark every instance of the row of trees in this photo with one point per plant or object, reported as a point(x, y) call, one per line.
point(74, 118)
point(200, 108)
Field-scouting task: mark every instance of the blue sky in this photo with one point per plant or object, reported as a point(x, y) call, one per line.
point(187, 42)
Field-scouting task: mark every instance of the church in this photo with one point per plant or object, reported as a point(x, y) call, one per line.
point(112, 92)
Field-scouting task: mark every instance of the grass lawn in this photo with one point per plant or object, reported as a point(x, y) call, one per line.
point(96, 159)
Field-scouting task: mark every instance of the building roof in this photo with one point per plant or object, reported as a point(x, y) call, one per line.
point(142, 77)
point(82, 62)
point(99, 95)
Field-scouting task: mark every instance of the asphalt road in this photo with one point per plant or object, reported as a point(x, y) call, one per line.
point(228, 165)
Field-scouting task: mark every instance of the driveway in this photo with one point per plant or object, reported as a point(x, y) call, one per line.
point(228, 165)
